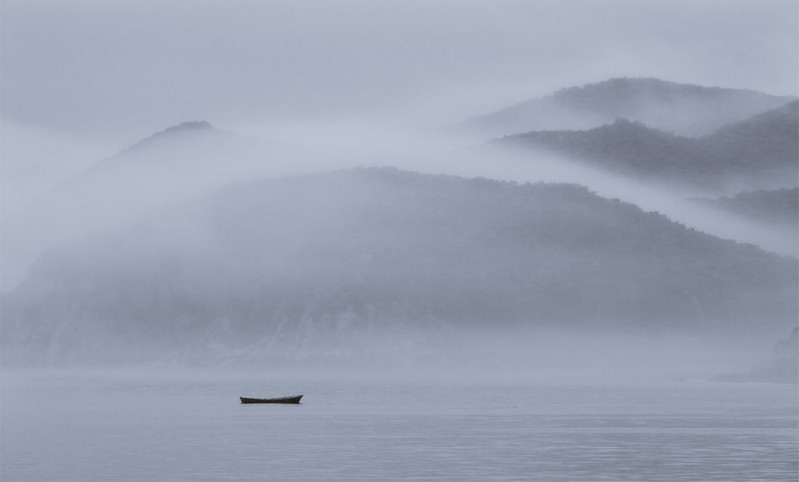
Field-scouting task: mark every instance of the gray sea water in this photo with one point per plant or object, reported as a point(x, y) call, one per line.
point(108, 427)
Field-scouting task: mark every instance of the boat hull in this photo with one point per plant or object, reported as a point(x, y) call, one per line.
point(290, 400)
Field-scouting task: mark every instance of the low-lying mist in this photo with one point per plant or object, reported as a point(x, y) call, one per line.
point(371, 266)
point(178, 167)
point(519, 240)
point(448, 355)
point(290, 248)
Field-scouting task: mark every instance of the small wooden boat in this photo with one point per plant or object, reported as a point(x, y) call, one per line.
point(292, 399)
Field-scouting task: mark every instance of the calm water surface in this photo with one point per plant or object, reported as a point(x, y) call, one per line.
point(145, 427)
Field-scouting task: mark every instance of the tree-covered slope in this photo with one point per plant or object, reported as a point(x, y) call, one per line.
point(376, 248)
point(683, 109)
point(766, 141)
point(779, 207)
point(762, 149)
point(178, 163)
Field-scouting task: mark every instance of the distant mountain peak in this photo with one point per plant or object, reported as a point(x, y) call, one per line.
point(179, 131)
point(621, 85)
point(189, 126)
point(633, 86)
point(685, 109)
point(184, 128)
point(625, 94)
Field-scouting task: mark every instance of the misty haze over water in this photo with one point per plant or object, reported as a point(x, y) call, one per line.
point(485, 240)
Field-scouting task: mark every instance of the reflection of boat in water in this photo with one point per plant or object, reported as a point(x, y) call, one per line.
point(292, 399)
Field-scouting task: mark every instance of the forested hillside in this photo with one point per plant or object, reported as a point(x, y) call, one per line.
point(762, 150)
point(366, 249)
point(683, 109)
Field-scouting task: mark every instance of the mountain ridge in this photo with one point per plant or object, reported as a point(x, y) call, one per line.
point(778, 207)
point(329, 254)
point(685, 109)
point(185, 129)
point(765, 146)
point(167, 167)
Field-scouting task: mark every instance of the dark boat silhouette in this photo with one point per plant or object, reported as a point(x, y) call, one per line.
point(291, 399)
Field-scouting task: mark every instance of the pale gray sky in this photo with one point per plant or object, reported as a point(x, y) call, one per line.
point(119, 70)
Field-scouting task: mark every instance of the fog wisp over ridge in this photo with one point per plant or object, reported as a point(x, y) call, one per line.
point(305, 267)
point(187, 160)
point(476, 240)
point(343, 171)
point(173, 250)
